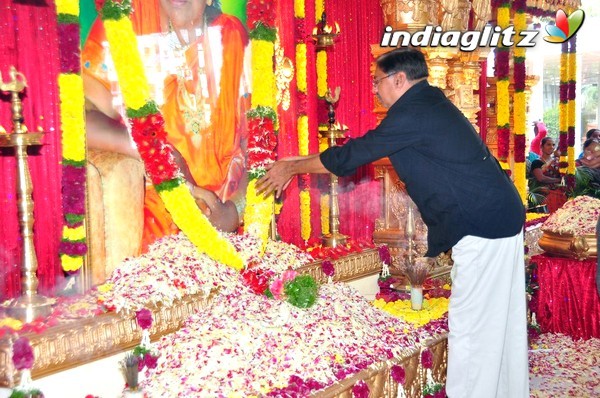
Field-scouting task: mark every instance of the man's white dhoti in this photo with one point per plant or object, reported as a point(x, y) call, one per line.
point(487, 343)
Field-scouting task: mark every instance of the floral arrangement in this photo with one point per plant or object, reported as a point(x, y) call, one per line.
point(72, 247)
point(298, 290)
point(23, 359)
point(386, 260)
point(150, 136)
point(433, 308)
point(262, 118)
point(501, 72)
point(520, 102)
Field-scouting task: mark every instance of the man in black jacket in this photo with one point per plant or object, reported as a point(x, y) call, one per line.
point(469, 205)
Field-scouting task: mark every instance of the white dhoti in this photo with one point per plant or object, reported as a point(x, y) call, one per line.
point(487, 343)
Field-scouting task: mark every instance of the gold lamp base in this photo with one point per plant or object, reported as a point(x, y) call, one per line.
point(334, 239)
point(28, 308)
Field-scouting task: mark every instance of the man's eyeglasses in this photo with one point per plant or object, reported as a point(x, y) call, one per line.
point(376, 82)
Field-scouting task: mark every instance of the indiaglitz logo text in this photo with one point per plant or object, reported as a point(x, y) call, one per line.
point(566, 26)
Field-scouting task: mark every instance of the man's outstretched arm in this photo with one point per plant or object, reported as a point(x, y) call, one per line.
point(280, 173)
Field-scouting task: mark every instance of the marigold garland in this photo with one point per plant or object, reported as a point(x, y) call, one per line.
point(519, 103)
point(321, 73)
point(303, 150)
point(572, 76)
point(299, 9)
point(563, 122)
point(301, 81)
point(502, 93)
point(262, 118)
point(150, 137)
point(70, 85)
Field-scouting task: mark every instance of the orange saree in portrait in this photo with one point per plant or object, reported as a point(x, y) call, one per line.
point(204, 114)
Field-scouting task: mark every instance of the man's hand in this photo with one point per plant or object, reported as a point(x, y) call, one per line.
point(223, 216)
point(278, 177)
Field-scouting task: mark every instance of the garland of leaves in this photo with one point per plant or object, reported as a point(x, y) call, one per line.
point(502, 83)
point(72, 248)
point(519, 102)
point(150, 136)
point(262, 119)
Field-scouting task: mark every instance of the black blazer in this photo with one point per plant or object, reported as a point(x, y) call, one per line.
point(458, 186)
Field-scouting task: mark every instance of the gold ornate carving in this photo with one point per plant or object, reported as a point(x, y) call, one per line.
point(68, 345)
point(347, 268)
point(410, 14)
point(284, 73)
point(379, 379)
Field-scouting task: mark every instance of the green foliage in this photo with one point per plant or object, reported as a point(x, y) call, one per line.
point(551, 122)
point(302, 291)
point(584, 184)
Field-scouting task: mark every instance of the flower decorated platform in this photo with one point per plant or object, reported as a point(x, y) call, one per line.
point(173, 281)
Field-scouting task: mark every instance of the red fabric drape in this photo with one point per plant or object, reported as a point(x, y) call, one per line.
point(349, 63)
point(28, 40)
point(288, 223)
point(567, 299)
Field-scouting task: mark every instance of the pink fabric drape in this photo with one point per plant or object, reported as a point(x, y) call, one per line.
point(567, 299)
point(28, 41)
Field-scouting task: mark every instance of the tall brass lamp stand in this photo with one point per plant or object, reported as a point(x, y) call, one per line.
point(333, 134)
point(29, 305)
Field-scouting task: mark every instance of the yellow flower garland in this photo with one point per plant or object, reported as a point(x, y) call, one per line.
point(303, 149)
point(259, 210)
point(563, 123)
point(572, 76)
point(305, 229)
point(299, 9)
point(263, 77)
point(70, 88)
point(68, 7)
point(319, 8)
point(178, 200)
point(132, 79)
point(301, 81)
point(325, 213)
point(186, 217)
point(321, 73)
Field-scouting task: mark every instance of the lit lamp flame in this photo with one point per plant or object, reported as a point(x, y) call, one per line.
point(324, 34)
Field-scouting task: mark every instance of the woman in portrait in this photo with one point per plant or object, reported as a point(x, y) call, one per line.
point(202, 54)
